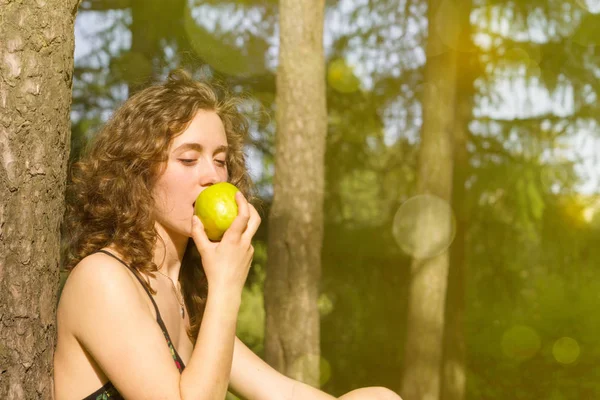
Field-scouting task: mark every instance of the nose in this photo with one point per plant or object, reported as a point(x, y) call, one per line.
point(209, 174)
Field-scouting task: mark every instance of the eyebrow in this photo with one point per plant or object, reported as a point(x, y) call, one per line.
point(198, 147)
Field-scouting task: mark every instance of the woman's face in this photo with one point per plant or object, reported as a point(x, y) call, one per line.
point(196, 160)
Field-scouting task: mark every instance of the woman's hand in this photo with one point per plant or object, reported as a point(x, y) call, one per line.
point(226, 263)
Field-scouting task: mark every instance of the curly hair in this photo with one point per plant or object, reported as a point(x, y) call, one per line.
point(109, 196)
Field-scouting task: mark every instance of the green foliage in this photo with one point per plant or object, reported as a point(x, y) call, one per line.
point(530, 251)
point(220, 51)
point(251, 318)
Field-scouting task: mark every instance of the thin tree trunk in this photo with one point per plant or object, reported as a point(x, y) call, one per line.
point(296, 217)
point(36, 50)
point(427, 290)
point(454, 373)
point(454, 364)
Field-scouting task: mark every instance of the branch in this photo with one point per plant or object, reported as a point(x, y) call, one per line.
point(104, 5)
point(79, 70)
point(262, 146)
point(588, 111)
point(490, 146)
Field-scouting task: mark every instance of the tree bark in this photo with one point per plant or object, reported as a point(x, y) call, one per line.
point(454, 370)
point(36, 53)
point(454, 356)
point(296, 217)
point(427, 290)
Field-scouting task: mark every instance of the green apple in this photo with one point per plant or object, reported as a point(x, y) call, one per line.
point(216, 208)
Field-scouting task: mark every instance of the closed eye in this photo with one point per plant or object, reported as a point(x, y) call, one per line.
point(187, 160)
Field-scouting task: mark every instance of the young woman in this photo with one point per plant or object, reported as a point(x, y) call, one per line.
point(147, 313)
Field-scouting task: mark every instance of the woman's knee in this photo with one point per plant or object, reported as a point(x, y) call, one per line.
point(371, 393)
point(382, 393)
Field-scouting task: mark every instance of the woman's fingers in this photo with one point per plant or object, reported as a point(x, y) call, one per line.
point(241, 221)
point(251, 255)
point(253, 223)
point(198, 234)
point(228, 261)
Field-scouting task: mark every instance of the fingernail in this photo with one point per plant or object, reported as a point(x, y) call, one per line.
point(195, 220)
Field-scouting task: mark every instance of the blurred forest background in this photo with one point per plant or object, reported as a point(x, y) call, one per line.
point(524, 277)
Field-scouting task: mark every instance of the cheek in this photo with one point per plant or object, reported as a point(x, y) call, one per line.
point(177, 187)
point(225, 173)
point(159, 194)
point(165, 190)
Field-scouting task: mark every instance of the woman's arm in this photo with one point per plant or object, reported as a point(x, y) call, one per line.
point(226, 267)
point(212, 355)
point(103, 307)
point(254, 379)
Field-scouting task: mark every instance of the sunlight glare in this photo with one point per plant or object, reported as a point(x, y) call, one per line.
point(592, 6)
point(424, 226)
point(304, 363)
point(341, 77)
point(449, 27)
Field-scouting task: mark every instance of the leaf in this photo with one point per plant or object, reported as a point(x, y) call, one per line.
point(536, 203)
point(222, 55)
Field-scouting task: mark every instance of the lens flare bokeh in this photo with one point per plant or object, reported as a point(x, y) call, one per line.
point(520, 343)
point(424, 226)
point(566, 350)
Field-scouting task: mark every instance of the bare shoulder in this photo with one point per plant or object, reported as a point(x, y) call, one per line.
point(103, 309)
point(96, 280)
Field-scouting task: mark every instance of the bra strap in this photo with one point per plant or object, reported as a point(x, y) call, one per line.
point(158, 317)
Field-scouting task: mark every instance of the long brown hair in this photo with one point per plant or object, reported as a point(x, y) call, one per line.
point(109, 198)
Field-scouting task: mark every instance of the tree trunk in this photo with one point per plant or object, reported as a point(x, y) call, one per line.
point(427, 291)
point(454, 372)
point(36, 50)
point(296, 217)
point(454, 361)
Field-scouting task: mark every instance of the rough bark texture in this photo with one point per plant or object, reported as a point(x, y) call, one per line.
point(36, 64)
point(427, 290)
point(296, 217)
point(454, 372)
